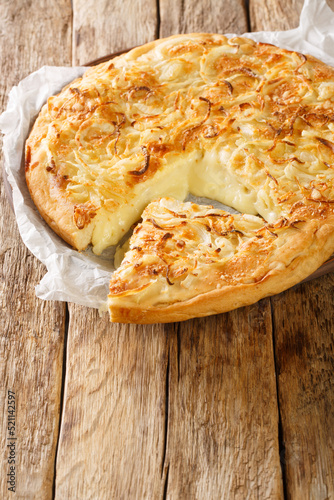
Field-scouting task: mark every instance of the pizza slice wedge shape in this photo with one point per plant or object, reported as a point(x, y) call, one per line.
point(187, 260)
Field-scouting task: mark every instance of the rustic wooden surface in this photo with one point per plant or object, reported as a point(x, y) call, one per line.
point(234, 406)
point(31, 331)
point(268, 15)
point(303, 327)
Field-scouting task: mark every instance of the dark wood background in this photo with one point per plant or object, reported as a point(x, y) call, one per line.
point(234, 406)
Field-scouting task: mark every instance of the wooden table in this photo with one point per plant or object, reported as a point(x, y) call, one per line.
point(236, 406)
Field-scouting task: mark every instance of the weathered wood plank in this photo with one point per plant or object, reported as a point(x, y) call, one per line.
point(277, 15)
point(274, 14)
point(147, 430)
point(31, 331)
point(206, 16)
point(304, 333)
point(303, 325)
point(112, 433)
point(103, 27)
point(184, 411)
point(222, 439)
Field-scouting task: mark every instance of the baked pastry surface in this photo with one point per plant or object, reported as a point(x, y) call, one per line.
point(247, 124)
point(187, 260)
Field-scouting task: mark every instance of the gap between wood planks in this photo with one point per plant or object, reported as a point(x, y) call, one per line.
point(157, 33)
point(246, 4)
point(62, 398)
point(280, 424)
point(166, 426)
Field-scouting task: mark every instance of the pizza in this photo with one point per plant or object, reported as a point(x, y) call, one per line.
point(247, 124)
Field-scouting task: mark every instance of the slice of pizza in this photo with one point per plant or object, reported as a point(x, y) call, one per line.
point(187, 260)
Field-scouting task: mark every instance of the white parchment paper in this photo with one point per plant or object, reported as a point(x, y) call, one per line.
point(83, 277)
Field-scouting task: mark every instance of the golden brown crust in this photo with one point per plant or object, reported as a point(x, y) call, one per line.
point(55, 209)
point(254, 260)
point(248, 124)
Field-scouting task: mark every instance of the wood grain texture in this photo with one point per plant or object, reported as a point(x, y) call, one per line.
point(275, 15)
point(103, 27)
point(304, 348)
point(303, 325)
point(178, 411)
point(168, 411)
point(222, 439)
point(31, 331)
point(180, 408)
point(112, 433)
point(206, 16)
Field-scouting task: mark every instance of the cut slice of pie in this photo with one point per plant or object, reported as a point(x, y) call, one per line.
point(187, 260)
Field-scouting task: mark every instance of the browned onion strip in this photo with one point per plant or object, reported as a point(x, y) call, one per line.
point(226, 233)
point(211, 215)
point(285, 160)
point(321, 201)
point(293, 224)
point(303, 58)
point(277, 133)
point(272, 177)
point(118, 131)
point(195, 127)
point(155, 224)
point(229, 86)
point(209, 108)
point(138, 89)
point(307, 122)
point(167, 236)
point(245, 71)
point(182, 216)
point(326, 143)
point(146, 164)
point(272, 233)
point(167, 278)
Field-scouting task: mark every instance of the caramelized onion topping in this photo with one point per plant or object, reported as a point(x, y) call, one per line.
point(326, 143)
point(167, 278)
point(229, 86)
point(155, 224)
point(146, 163)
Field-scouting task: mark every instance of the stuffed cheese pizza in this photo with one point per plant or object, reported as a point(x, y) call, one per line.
point(246, 124)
